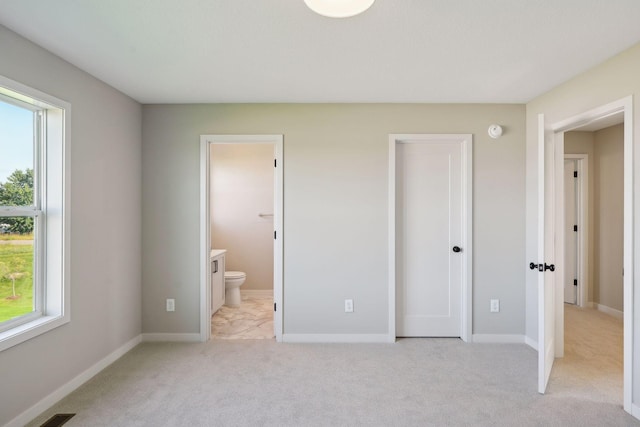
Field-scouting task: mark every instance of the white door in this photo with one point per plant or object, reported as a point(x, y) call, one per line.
point(570, 231)
point(429, 236)
point(546, 247)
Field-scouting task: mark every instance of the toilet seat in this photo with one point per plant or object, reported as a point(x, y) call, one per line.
point(234, 275)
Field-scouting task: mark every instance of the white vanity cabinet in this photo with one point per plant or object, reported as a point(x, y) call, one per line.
point(217, 279)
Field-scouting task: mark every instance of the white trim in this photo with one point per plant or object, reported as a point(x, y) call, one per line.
point(467, 226)
point(205, 244)
point(587, 117)
point(624, 105)
point(278, 249)
point(531, 343)
point(635, 410)
point(337, 338)
point(205, 226)
point(61, 392)
point(499, 338)
point(51, 253)
point(170, 337)
point(628, 252)
point(391, 279)
point(30, 95)
point(32, 329)
point(256, 292)
point(582, 162)
point(610, 311)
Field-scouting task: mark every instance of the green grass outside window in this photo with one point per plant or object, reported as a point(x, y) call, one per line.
point(15, 261)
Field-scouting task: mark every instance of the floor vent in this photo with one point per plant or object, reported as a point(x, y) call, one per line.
point(57, 420)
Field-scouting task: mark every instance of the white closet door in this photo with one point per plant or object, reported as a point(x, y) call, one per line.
point(429, 234)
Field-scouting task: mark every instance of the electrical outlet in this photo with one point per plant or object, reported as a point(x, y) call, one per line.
point(348, 306)
point(495, 305)
point(171, 304)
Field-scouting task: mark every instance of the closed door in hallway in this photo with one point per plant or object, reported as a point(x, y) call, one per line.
point(571, 232)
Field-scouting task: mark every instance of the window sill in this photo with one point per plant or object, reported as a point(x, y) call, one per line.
point(26, 331)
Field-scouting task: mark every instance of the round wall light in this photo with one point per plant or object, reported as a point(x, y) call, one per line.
point(495, 131)
point(338, 8)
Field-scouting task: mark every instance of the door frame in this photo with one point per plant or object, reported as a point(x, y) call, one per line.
point(557, 130)
point(582, 166)
point(466, 141)
point(205, 226)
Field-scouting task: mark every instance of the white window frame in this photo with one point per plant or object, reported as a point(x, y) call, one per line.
point(51, 234)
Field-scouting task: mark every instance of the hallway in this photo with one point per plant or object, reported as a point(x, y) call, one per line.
point(592, 367)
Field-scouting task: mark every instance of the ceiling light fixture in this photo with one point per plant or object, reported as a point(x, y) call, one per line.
point(339, 8)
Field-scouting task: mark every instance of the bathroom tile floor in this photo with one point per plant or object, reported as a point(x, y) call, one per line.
point(252, 320)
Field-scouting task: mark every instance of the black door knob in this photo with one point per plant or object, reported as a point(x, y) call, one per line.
point(456, 249)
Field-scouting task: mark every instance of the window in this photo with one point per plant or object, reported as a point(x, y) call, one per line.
point(34, 198)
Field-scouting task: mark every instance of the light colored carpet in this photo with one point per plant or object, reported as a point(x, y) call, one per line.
point(414, 382)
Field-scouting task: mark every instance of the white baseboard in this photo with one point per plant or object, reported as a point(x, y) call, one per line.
point(257, 292)
point(499, 338)
point(531, 343)
point(70, 386)
point(635, 411)
point(610, 311)
point(336, 338)
point(160, 337)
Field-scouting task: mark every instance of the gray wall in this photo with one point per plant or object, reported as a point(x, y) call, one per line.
point(612, 80)
point(336, 209)
point(609, 201)
point(105, 229)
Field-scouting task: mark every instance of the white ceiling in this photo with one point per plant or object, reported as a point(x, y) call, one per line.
point(202, 51)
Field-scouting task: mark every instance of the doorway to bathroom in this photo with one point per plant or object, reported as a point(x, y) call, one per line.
point(241, 222)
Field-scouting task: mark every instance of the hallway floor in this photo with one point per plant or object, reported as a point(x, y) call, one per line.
point(593, 361)
point(252, 320)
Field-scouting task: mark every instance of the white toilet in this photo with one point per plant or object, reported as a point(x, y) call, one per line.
point(232, 282)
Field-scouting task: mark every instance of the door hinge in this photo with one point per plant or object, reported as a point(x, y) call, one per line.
point(275, 163)
point(274, 235)
point(575, 228)
point(575, 282)
point(274, 307)
point(575, 174)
